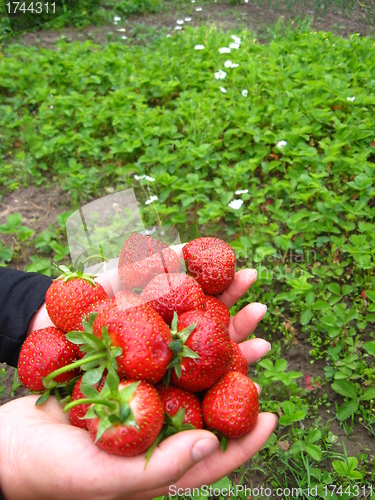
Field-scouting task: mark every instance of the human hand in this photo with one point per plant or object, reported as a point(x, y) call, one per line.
point(43, 456)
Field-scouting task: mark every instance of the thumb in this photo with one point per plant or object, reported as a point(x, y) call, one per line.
point(179, 453)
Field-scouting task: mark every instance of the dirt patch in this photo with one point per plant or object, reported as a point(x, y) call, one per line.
point(256, 18)
point(39, 208)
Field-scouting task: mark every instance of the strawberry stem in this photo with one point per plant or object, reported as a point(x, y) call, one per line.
point(89, 401)
point(71, 366)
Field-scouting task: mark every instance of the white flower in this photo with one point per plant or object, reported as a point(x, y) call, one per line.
point(199, 47)
point(234, 45)
point(242, 191)
point(224, 50)
point(149, 179)
point(246, 1)
point(198, 9)
point(124, 37)
point(178, 28)
point(192, 1)
point(121, 30)
point(236, 39)
point(281, 144)
point(224, 91)
point(350, 99)
point(180, 21)
point(116, 19)
point(187, 19)
point(220, 75)
point(139, 177)
point(244, 92)
point(235, 204)
point(152, 198)
point(229, 64)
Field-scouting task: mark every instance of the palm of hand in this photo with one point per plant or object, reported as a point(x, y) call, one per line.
point(60, 461)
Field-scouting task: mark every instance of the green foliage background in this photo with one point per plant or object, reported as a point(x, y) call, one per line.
point(90, 117)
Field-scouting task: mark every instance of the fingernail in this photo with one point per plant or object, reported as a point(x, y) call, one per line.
point(258, 309)
point(269, 346)
point(252, 274)
point(203, 448)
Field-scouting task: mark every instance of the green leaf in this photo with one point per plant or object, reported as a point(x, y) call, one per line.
point(345, 388)
point(368, 394)
point(347, 410)
point(334, 288)
point(306, 316)
point(314, 451)
point(370, 347)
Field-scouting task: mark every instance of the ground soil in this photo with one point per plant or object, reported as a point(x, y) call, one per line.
point(259, 18)
point(40, 206)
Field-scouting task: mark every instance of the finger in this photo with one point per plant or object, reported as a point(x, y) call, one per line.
point(246, 320)
point(254, 349)
point(219, 464)
point(169, 462)
point(243, 279)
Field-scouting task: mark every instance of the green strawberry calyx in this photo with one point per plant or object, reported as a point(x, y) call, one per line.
point(179, 348)
point(67, 275)
point(111, 405)
point(100, 355)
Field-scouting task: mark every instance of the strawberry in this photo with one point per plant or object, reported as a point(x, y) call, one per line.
point(77, 413)
point(231, 406)
point(143, 337)
point(69, 296)
point(239, 362)
point(212, 352)
point(212, 262)
point(217, 309)
point(42, 352)
point(143, 257)
point(126, 423)
point(175, 400)
point(169, 293)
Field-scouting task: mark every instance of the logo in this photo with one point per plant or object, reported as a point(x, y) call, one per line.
point(23, 16)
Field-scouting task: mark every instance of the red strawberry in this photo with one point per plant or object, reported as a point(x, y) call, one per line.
point(143, 257)
point(77, 413)
point(169, 293)
point(231, 406)
point(239, 362)
point(96, 307)
point(217, 309)
point(175, 399)
point(133, 428)
point(212, 346)
point(43, 352)
point(212, 262)
point(144, 338)
point(69, 296)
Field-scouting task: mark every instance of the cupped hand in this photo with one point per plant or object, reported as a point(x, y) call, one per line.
point(44, 457)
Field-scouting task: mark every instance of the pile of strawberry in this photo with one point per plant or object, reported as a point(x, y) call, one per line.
point(151, 361)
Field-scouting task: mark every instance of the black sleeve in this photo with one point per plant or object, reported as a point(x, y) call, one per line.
point(21, 295)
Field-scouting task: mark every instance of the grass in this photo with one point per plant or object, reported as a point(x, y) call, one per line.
point(295, 152)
